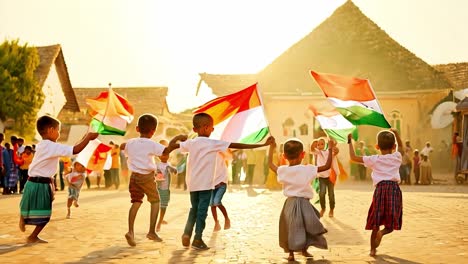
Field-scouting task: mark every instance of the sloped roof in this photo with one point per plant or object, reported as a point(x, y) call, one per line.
point(50, 55)
point(347, 43)
point(457, 73)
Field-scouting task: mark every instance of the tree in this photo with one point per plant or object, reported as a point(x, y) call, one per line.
point(21, 96)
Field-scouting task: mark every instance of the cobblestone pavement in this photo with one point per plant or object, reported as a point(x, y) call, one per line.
point(435, 229)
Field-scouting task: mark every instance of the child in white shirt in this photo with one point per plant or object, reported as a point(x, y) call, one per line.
point(387, 207)
point(299, 223)
point(75, 181)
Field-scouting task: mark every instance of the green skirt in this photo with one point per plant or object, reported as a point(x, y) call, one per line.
point(36, 203)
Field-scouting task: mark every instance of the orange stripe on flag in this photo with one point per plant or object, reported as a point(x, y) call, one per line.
point(223, 107)
point(343, 87)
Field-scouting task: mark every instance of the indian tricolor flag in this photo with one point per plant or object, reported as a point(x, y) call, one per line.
point(334, 124)
point(94, 155)
point(238, 117)
point(111, 113)
point(353, 98)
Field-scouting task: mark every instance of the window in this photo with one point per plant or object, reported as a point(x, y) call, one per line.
point(304, 130)
point(396, 120)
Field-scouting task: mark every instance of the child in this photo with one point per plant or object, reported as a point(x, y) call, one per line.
point(416, 163)
point(324, 176)
point(75, 181)
point(140, 153)
point(201, 164)
point(426, 170)
point(36, 202)
point(386, 208)
point(220, 186)
point(164, 183)
point(299, 225)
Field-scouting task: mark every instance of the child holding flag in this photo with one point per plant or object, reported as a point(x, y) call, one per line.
point(387, 207)
point(36, 202)
point(299, 225)
point(140, 153)
point(201, 165)
point(75, 181)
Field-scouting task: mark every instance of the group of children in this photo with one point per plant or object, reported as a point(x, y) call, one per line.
point(206, 178)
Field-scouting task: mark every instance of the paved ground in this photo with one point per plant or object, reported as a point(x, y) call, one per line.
point(435, 230)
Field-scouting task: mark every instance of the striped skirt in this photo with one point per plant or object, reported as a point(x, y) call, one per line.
point(164, 196)
point(386, 208)
point(300, 226)
point(36, 203)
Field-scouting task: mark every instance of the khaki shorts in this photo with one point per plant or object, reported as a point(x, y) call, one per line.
point(141, 184)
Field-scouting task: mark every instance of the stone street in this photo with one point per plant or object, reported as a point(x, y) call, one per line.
point(435, 229)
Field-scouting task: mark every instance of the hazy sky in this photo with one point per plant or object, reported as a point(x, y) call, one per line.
point(167, 43)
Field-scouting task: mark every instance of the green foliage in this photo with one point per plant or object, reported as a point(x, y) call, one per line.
point(21, 96)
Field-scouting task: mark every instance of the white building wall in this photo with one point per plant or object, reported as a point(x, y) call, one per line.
point(54, 97)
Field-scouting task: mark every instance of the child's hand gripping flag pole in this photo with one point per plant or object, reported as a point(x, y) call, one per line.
point(238, 117)
point(354, 98)
point(111, 113)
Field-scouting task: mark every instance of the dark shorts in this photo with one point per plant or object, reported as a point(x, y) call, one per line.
point(141, 184)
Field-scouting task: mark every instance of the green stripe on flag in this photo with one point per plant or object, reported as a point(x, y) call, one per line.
point(103, 129)
point(256, 136)
point(341, 135)
point(358, 115)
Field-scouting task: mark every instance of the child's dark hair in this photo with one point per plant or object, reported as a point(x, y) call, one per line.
point(28, 148)
point(201, 119)
point(385, 140)
point(293, 148)
point(45, 122)
point(146, 123)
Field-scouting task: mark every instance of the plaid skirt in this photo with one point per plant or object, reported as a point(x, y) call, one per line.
point(164, 196)
point(386, 208)
point(300, 226)
point(36, 203)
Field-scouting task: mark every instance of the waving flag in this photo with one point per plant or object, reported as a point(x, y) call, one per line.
point(111, 113)
point(353, 98)
point(94, 155)
point(238, 117)
point(334, 125)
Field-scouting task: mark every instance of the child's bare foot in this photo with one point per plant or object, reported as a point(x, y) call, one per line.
point(75, 203)
point(291, 257)
point(373, 252)
point(35, 240)
point(158, 228)
point(378, 238)
point(164, 222)
point(153, 236)
point(68, 216)
point(130, 239)
point(306, 254)
point(227, 223)
point(22, 225)
point(217, 226)
point(322, 212)
point(330, 214)
point(185, 240)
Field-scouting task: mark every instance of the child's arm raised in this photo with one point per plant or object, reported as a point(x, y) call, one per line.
point(352, 154)
point(82, 144)
point(173, 144)
point(251, 146)
point(272, 166)
point(327, 165)
point(398, 139)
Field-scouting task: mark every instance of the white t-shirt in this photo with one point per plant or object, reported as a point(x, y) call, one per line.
point(201, 161)
point(322, 157)
point(46, 158)
point(384, 167)
point(221, 173)
point(426, 151)
point(296, 180)
point(140, 154)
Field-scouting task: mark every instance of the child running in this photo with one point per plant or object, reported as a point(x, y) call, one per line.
point(140, 153)
point(299, 224)
point(201, 164)
point(75, 181)
point(163, 180)
point(387, 207)
point(220, 186)
point(36, 202)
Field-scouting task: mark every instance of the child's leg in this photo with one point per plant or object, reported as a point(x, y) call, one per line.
point(22, 225)
point(191, 219)
point(291, 255)
point(203, 204)
point(131, 222)
point(227, 221)
point(373, 250)
point(217, 226)
point(69, 204)
point(331, 196)
point(306, 254)
point(322, 192)
point(33, 237)
point(380, 234)
point(153, 217)
point(161, 218)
